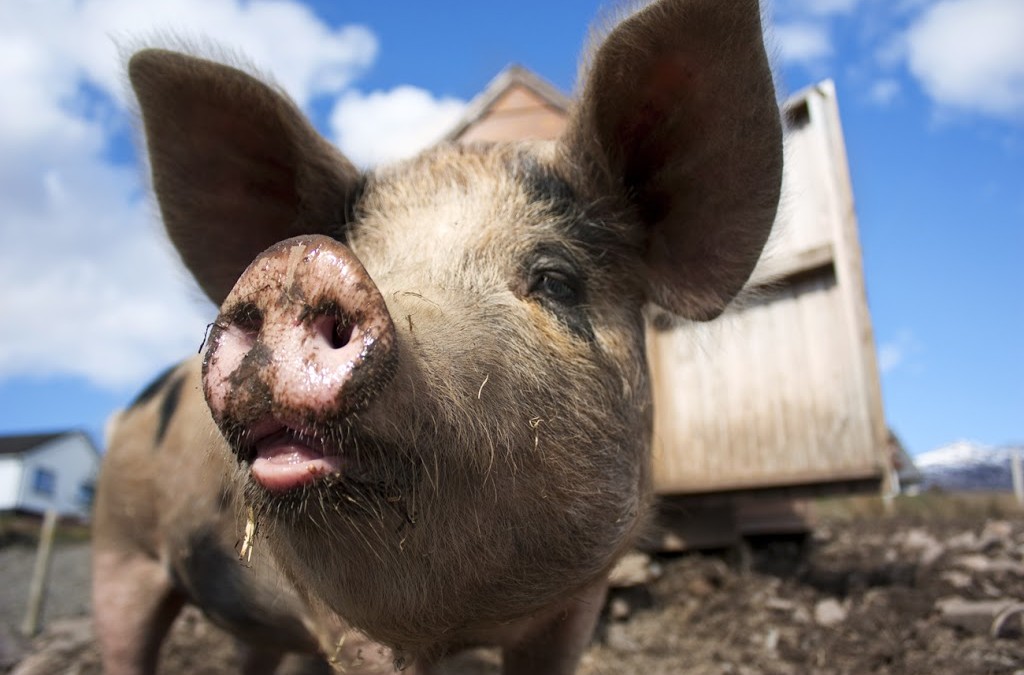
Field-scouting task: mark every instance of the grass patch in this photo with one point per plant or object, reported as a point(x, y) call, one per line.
point(930, 506)
point(24, 528)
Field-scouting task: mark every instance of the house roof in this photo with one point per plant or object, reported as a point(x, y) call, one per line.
point(511, 77)
point(18, 445)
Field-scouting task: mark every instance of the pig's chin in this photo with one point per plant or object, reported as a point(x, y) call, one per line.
point(283, 459)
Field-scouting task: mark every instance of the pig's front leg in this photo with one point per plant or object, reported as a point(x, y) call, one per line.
point(134, 604)
point(554, 646)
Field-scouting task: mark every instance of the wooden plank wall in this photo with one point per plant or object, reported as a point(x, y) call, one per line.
point(783, 391)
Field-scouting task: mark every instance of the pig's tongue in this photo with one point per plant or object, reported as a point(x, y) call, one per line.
point(285, 461)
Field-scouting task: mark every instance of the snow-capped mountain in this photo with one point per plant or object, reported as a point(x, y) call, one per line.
point(965, 465)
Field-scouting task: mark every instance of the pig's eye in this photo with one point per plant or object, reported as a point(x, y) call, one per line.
point(556, 283)
point(556, 286)
point(561, 292)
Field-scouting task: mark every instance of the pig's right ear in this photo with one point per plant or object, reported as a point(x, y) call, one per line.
point(678, 122)
point(236, 166)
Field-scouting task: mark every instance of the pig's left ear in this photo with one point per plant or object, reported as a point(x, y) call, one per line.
point(236, 166)
point(678, 118)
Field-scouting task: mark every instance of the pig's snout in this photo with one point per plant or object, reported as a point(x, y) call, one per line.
point(303, 339)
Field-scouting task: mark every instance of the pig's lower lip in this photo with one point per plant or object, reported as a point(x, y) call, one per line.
point(285, 459)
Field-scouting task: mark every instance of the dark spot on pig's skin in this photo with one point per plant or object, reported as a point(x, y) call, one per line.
point(168, 406)
point(255, 362)
point(152, 388)
point(251, 397)
point(543, 183)
point(227, 590)
point(546, 186)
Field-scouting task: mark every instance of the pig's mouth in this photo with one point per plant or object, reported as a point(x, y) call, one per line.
point(284, 458)
point(290, 464)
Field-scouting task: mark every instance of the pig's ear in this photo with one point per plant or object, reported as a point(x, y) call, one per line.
point(678, 117)
point(236, 166)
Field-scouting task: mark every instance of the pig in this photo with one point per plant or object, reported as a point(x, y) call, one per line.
point(423, 412)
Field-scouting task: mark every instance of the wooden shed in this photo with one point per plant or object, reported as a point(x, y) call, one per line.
point(780, 397)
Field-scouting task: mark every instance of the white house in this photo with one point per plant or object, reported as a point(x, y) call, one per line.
point(46, 471)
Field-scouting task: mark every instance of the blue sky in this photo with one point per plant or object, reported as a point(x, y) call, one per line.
point(932, 101)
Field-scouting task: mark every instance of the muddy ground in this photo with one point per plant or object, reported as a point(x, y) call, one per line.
point(917, 593)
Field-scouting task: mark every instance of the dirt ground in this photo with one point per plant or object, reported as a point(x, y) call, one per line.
point(916, 593)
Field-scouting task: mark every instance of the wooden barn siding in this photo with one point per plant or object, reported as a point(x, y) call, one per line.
point(850, 271)
point(517, 114)
point(734, 412)
point(784, 390)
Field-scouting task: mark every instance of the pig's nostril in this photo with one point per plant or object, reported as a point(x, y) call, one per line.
point(334, 328)
point(248, 318)
point(342, 334)
point(333, 325)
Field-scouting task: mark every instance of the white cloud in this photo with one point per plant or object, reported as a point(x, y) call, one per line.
point(894, 353)
point(969, 55)
point(385, 126)
point(802, 42)
point(78, 39)
point(889, 357)
point(817, 7)
point(88, 286)
point(884, 91)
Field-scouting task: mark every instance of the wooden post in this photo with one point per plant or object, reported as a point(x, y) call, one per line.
point(1018, 476)
point(891, 489)
point(40, 575)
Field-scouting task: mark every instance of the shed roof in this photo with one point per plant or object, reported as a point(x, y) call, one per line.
point(519, 79)
point(18, 445)
point(513, 77)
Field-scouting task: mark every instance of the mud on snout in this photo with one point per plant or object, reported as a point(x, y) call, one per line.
point(303, 341)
